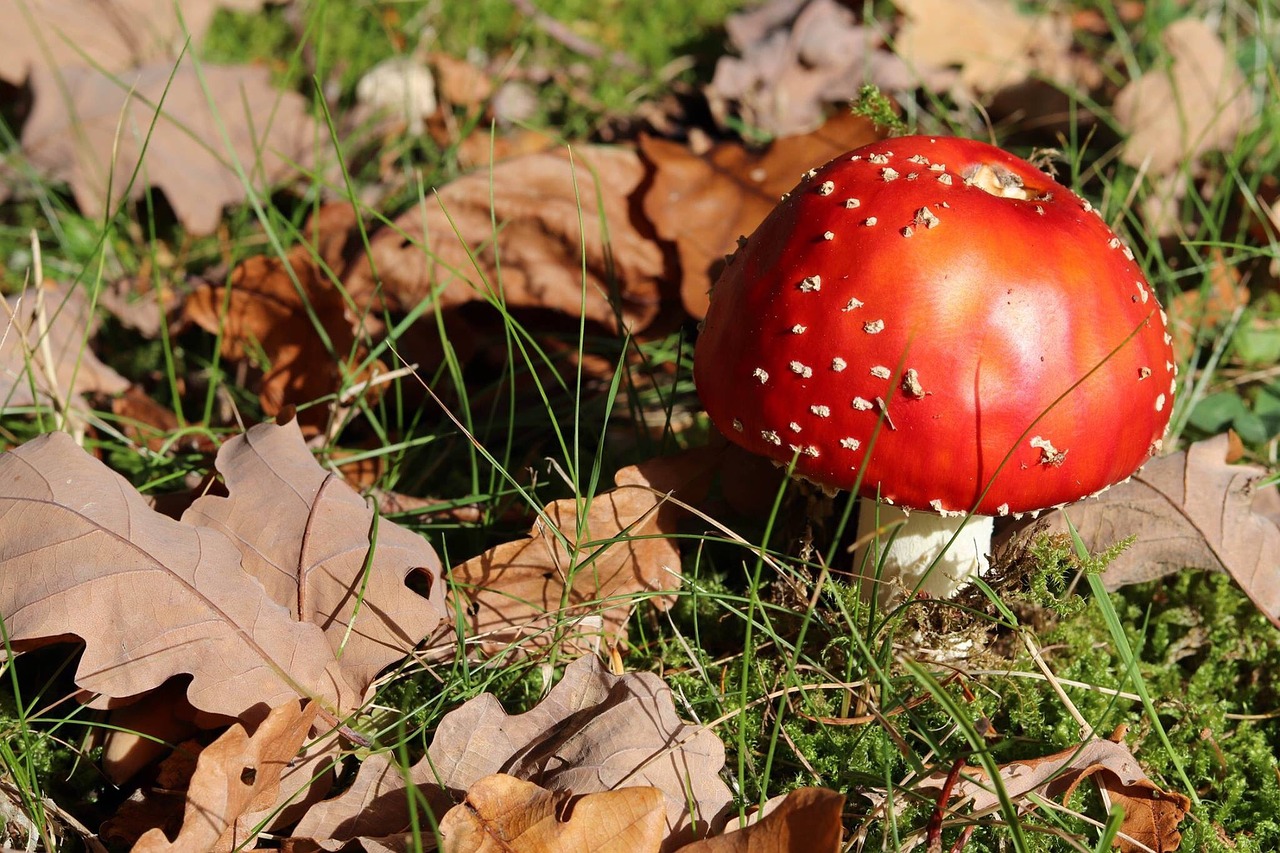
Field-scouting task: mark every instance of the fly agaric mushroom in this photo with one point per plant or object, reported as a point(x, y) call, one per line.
point(937, 323)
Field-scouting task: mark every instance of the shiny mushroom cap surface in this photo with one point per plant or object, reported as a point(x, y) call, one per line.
point(937, 322)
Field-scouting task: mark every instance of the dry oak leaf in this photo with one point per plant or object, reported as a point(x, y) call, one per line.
point(1189, 510)
point(82, 116)
point(990, 41)
point(703, 204)
point(43, 336)
point(519, 234)
point(502, 813)
point(1151, 815)
point(272, 310)
point(82, 554)
point(586, 573)
point(1200, 103)
point(806, 820)
point(319, 550)
point(797, 57)
point(109, 34)
point(235, 775)
point(594, 732)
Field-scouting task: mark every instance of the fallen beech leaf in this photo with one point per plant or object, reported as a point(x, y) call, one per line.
point(82, 554)
point(1199, 104)
point(235, 774)
point(1151, 815)
point(807, 820)
point(268, 313)
point(56, 321)
point(796, 58)
point(551, 213)
point(703, 204)
point(1189, 510)
point(82, 115)
point(306, 536)
point(515, 595)
point(110, 34)
point(593, 732)
point(990, 41)
point(502, 813)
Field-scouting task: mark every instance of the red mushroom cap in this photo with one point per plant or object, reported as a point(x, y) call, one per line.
point(974, 317)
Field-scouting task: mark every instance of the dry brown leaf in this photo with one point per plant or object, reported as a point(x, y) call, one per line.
point(153, 598)
point(306, 536)
point(1151, 815)
point(72, 133)
point(141, 304)
point(797, 57)
point(236, 774)
point(460, 83)
point(502, 813)
point(144, 420)
point(703, 204)
point(268, 314)
point(1196, 314)
point(1200, 103)
point(515, 596)
point(150, 597)
point(991, 42)
point(594, 732)
point(808, 820)
point(1189, 510)
point(547, 209)
point(374, 807)
point(43, 336)
point(1096, 22)
point(110, 34)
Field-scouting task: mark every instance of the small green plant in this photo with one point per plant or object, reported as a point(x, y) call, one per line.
point(1056, 567)
point(875, 106)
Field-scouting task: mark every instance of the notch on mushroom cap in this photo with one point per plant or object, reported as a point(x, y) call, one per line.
point(937, 322)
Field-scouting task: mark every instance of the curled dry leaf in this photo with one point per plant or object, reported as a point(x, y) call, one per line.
point(273, 309)
point(538, 217)
point(1189, 510)
point(990, 43)
point(235, 775)
point(108, 34)
point(1151, 815)
point(797, 57)
point(517, 595)
point(502, 813)
point(43, 348)
point(160, 122)
point(703, 204)
point(1200, 103)
point(807, 820)
point(593, 732)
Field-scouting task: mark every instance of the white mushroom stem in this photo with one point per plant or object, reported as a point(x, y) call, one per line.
point(920, 540)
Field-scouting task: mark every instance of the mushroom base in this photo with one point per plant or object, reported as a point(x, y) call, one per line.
point(921, 556)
